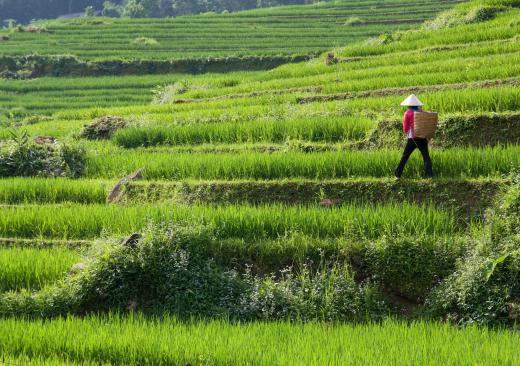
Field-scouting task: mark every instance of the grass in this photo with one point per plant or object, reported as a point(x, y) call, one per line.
point(32, 269)
point(266, 221)
point(134, 340)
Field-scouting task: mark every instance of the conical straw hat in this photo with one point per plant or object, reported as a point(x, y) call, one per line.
point(412, 101)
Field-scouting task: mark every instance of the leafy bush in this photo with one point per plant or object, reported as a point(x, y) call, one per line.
point(103, 128)
point(134, 9)
point(479, 130)
point(90, 11)
point(485, 289)
point(74, 159)
point(168, 270)
point(23, 157)
point(412, 266)
point(112, 10)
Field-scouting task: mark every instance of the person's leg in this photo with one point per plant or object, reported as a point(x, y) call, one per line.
point(408, 150)
point(422, 144)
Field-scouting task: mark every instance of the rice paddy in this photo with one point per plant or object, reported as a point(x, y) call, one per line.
point(91, 221)
point(32, 269)
point(292, 30)
point(136, 340)
point(262, 158)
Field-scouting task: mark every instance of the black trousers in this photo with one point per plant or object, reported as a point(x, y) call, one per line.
point(411, 145)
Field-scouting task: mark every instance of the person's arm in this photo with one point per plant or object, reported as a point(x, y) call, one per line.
point(407, 121)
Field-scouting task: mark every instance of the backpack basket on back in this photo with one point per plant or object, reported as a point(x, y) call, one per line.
point(425, 124)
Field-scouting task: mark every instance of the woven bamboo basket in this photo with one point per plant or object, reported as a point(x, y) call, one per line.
point(425, 124)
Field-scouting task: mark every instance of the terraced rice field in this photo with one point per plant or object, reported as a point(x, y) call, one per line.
point(292, 30)
point(284, 165)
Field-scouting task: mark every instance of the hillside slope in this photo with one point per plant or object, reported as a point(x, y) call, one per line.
point(265, 37)
point(267, 199)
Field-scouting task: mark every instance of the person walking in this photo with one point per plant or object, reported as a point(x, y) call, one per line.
point(413, 103)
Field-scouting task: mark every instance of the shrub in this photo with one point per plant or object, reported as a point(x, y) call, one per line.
point(134, 9)
point(168, 270)
point(411, 266)
point(22, 157)
point(103, 128)
point(75, 160)
point(90, 12)
point(112, 10)
point(485, 289)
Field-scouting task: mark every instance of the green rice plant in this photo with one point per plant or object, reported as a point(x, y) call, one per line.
point(239, 221)
point(39, 361)
point(282, 108)
point(329, 130)
point(136, 340)
point(41, 190)
point(452, 163)
point(32, 269)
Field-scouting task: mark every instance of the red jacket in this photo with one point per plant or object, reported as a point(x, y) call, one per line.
point(408, 122)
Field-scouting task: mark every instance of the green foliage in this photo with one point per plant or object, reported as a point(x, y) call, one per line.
point(243, 126)
point(412, 266)
point(23, 157)
point(485, 289)
point(90, 11)
point(74, 160)
point(474, 12)
point(42, 9)
point(135, 9)
point(469, 198)
point(112, 10)
point(479, 130)
point(167, 270)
